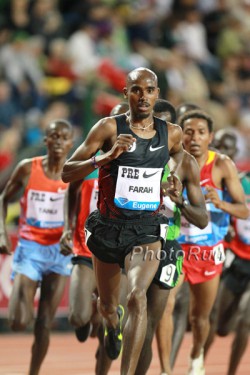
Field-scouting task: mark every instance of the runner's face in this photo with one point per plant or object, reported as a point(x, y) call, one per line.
point(59, 140)
point(196, 136)
point(142, 93)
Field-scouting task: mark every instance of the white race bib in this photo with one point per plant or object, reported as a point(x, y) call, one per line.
point(45, 209)
point(219, 254)
point(167, 274)
point(138, 188)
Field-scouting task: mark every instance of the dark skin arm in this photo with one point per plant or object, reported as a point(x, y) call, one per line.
point(17, 181)
point(173, 186)
point(188, 171)
point(226, 173)
point(103, 137)
point(71, 203)
point(175, 143)
point(195, 212)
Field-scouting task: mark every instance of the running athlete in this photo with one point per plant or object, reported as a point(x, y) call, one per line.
point(204, 251)
point(232, 307)
point(37, 260)
point(173, 324)
point(169, 270)
point(81, 201)
point(136, 149)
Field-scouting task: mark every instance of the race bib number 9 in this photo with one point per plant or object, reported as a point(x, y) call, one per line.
point(138, 188)
point(167, 274)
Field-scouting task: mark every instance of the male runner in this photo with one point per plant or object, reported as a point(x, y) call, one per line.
point(135, 149)
point(37, 261)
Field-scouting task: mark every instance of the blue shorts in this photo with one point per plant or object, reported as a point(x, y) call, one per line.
point(35, 260)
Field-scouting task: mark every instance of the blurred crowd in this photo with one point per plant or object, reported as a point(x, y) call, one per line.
point(69, 58)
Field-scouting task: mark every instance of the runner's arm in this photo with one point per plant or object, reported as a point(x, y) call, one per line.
point(71, 202)
point(195, 211)
point(238, 206)
point(101, 137)
point(15, 183)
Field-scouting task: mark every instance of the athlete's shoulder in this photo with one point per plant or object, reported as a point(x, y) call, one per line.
point(188, 159)
point(222, 160)
point(106, 125)
point(225, 165)
point(25, 165)
point(108, 121)
point(174, 129)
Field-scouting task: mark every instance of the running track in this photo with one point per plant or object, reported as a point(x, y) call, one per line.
point(68, 357)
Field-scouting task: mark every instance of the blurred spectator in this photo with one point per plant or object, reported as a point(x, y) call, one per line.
point(192, 35)
point(141, 23)
point(58, 63)
point(68, 58)
point(244, 77)
point(185, 76)
point(19, 61)
point(9, 113)
point(214, 22)
point(17, 16)
point(46, 20)
point(242, 12)
point(230, 39)
point(9, 146)
point(82, 49)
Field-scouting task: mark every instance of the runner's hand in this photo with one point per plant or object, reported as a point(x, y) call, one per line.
point(213, 196)
point(123, 143)
point(173, 187)
point(66, 243)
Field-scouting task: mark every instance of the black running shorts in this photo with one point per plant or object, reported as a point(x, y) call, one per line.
point(110, 240)
point(80, 259)
point(237, 275)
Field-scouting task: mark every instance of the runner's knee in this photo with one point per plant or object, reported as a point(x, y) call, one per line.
point(170, 305)
point(44, 323)
point(137, 300)
point(200, 322)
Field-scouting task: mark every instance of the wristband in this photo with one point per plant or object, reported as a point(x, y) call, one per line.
point(94, 162)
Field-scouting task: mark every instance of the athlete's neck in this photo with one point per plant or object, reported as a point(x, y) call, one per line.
point(53, 167)
point(202, 159)
point(141, 124)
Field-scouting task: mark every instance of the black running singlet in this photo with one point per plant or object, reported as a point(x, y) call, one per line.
point(130, 185)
